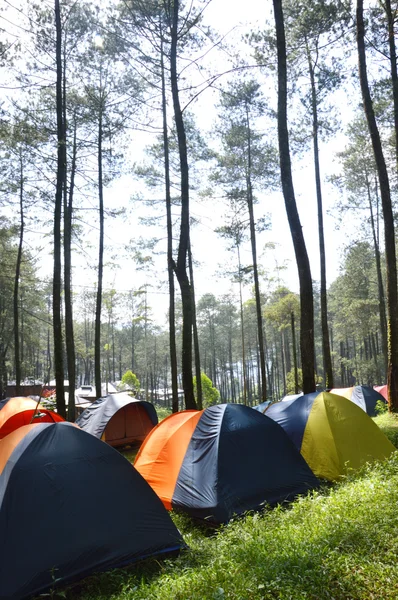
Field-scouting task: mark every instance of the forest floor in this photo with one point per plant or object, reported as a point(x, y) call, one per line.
point(337, 543)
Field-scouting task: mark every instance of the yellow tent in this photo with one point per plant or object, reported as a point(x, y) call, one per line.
point(332, 433)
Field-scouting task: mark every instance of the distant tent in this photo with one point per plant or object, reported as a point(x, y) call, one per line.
point(20, 411)
point(69, 506)
point(362, 395)
point(262, 407)
point(331, 432)
point(222, 461)
point(119, 419)
point(291, 397)
point(28, 417)
point(382, 389)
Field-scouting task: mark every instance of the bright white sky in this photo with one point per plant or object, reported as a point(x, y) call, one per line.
point(209, 249)
point(232, 17)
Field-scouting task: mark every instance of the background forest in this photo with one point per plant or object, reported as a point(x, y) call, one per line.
point(152, 96)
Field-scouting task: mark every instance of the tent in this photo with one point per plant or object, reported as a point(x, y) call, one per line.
point(291, 397)
point(119, 419)
point(263, 406)
point(363, 395)
point(222, 461)
point(71, 505)
point(383, 390)
point(20, 411)
point(331, 432)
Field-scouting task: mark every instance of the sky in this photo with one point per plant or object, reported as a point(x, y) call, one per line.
point(231, 18)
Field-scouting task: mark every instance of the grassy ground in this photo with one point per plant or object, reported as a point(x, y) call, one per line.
point(339, 543)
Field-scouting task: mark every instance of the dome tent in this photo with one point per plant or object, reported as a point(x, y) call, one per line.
point(222, 461)
point(362, 395)
point(119, 419)
point(331, 432)
point(48, 473)
point(20, 411)
point(383, 390)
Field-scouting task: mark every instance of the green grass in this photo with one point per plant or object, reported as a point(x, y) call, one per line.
point(340, 543)
point(388, 422)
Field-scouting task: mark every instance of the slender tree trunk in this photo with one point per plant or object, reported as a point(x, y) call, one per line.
point(199, 394)
point(242, 329)
point(303, 265)
point(172, 325)
point(97, 337)
point(231, 368)
point(389, 233)
point(293, 327)
point(393, 66)
point(69, 333)
point(61, 175)
point(327, 357)
point(380, 286)
point(16, 282)
point(263, 390)
point(181, 266)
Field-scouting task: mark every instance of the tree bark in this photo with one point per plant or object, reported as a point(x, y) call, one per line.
point(61, 175)
point(69, 333)
point(380, 286)
point(327, 357)
point(389, 233)
point(97, 337)
point(172, 326)
point(306, 293)
point(393, 67)
point(199, 394)
point(242, 329)
point(293, 328)
point(181, 266)
point(17, 356)
point(263, 391)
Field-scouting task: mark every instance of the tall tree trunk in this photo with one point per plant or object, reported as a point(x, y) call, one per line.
point(69, 334)
point(303, 265)
point(263, 391)
point(380, 286)
point(16, 282)
point(242, 329)
point(393, 66)
point(172, 324)
point(231, 368)
point(389, 233)
point(293, 328)
point(61, 175)
point(199, 394)
point(181, 266)
point(327, 357)
point(97, 338)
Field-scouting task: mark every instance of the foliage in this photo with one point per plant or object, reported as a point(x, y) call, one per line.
point(388, 422)
point(381, 407)
point(290, 384)
point(210, 394)
point(162, 412)
point(130, 379)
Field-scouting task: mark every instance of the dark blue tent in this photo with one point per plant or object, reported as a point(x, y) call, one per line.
point(233, 459)
point(71, 505)
point(119, 419)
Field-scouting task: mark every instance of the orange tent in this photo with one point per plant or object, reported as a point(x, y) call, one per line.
point(222, 461)
point(21, 411)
